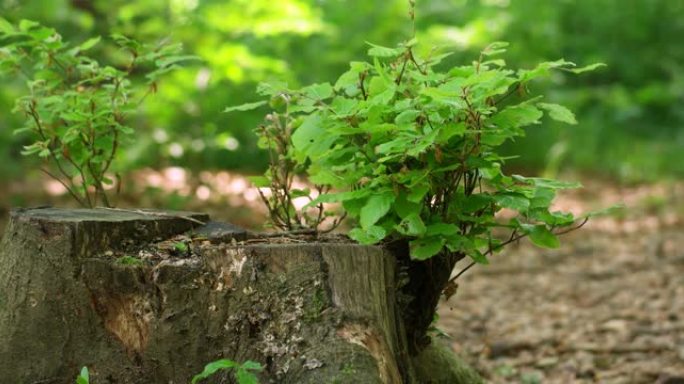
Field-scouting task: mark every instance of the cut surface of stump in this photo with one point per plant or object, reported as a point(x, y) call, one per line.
point(153, 296)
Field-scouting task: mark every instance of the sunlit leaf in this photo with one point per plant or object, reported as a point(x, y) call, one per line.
point(245, 107)
point(376, 207)
point(380, 51)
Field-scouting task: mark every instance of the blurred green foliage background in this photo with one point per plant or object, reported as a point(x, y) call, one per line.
point(631, 113)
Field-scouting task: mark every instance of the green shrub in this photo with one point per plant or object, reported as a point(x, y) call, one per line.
point(76, 109)
point(413, 152)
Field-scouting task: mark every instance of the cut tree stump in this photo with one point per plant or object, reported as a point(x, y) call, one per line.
point(152, 297)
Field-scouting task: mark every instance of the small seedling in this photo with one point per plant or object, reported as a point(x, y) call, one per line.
point(180, 248)
point(244, 373)
point(83, 377)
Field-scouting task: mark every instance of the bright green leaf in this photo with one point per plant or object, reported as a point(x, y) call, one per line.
point(368, 236)
point(380, 51)
point(588, 68)
point(376, 207)
point(411, 225)
point(559, 113)
point(425, 248)
point(543, 237)
point(245, 107)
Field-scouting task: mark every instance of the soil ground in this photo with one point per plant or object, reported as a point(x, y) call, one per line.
point(606, 307)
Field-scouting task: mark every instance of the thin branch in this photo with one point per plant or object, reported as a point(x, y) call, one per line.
point(403, 69)
point(71, 192)
point(512, 239)
point(567, 230)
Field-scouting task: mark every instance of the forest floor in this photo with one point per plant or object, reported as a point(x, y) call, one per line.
point(606, 307)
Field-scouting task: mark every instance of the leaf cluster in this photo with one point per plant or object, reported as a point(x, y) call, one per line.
point(413, 152)
point(78, 110)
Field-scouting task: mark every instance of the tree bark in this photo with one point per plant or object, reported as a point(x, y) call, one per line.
point(308, 312)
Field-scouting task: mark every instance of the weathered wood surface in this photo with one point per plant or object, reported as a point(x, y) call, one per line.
point(310, 312)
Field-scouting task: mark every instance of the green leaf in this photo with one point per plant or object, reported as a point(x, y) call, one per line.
point(6, 26)
point(612, 210)
point(368, 236)
point(513, 201)
point(252, 365)
point(171, 60)
point(445, 97)
point(318, 91)
point(425, 248)
point(83, 377)
point(517, 116)
point(260, 181)
point(380, 51)
point(543, 237)
point(245, 377)
point(478, 257)
point(411, 225)
point(548, 183)
point(543, 69)
point(407, 117)
point(245, 107)
point(442, 229)
point(559, 113)
point(376, 207)
point(588, 68)
point(25, 25)
point(311, 139)
point(89, 44)
point(214, 367)
point(418, 192)
point(403, 207)
point(495, 48)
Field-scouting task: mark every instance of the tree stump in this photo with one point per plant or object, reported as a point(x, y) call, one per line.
point(116, 291)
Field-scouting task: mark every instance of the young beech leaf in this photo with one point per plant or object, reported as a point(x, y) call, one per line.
point(513, 201)
point(260, 181)
point(543, 69)
point(89, 44)
point(310, 139)
point(376, 207)
point(443, 229)
point(245, 377)
point(370, 235)
point(610, 211)
point(588, 68)
point(495, 48)
point(245, 107)
point(543, 237)
point(425, 248)
point(517, 116)
point(380, 51)
point(83, 377)
point(404, 208)
point(214, 367)
point(318, 91)
point(559, 113)
point(412, 225)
